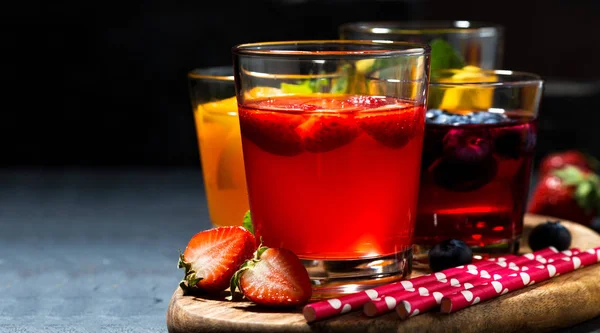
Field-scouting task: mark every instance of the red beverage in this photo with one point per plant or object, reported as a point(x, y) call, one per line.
point(474, 178)
point(333, 176)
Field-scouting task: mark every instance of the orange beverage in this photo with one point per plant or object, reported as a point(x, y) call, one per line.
point(219, 140)
point(333, 177)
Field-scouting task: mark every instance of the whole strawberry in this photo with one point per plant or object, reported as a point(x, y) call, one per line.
point(570, 193)
point(213, 256)
point(559, 160)
point(274, 277)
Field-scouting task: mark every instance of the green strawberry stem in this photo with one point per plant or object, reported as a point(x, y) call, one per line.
point(190, 280)
point(587, 187)
point(248, 264)
point(248, 222)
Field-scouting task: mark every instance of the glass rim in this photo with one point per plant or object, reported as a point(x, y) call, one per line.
point(422, 27)
point(204, 73)
point(515, 79)
point(276, 48)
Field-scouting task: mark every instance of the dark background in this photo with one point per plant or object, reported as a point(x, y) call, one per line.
point(104, 83)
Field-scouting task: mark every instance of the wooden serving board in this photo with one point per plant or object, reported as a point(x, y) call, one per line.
point(560, 302)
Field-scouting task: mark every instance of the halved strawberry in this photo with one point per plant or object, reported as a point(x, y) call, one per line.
point(325, 132)
point(213, 256)
point(393, 128)
point(273, 132)
point(274, 277)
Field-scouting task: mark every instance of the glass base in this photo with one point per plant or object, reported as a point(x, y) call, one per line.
point(332, 278)
point(497, 249)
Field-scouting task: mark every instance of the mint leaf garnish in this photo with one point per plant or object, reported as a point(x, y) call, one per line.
point(300, 88)
point(248, 222)
point(306, 86)
point(444, 56)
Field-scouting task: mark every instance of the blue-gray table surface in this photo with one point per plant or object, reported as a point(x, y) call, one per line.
point(95, 250)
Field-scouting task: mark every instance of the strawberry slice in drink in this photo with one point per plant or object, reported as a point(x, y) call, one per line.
point(273, 132)
point(322, 133)
point(289, 125)
point(393, 129)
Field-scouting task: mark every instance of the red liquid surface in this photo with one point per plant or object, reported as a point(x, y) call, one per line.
point(333, 177)
point(476, 195)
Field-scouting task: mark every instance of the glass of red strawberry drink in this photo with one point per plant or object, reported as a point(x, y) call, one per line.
point(332, 155)
point(480, 136)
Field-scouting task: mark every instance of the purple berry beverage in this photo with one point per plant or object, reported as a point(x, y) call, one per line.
point(475, 176)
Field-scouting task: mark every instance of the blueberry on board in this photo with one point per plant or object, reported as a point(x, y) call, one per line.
point(467, 145)
point(550, 233)
point(458, 176)
point(449, 253)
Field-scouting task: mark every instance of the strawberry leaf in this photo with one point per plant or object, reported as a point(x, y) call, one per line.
point(248, 222)
point(587, 187)
point(261, 249)
point(234, 283)
point(190, 280)
point(570, 175)
point(583, 190)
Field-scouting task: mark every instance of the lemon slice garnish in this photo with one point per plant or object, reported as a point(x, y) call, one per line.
point(468, 97)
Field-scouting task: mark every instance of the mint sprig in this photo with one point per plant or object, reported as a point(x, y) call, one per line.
point(444, 56)
point(319, 85)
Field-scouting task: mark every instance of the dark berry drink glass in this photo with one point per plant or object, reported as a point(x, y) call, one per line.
point(480, 137)
point(332, 152)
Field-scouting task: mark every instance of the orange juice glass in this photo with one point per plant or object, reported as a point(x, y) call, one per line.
point(217, 127)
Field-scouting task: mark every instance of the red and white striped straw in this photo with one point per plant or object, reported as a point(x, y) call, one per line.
point(418, 304)
point(388, 302)
point(518, 280)
point(336, 306)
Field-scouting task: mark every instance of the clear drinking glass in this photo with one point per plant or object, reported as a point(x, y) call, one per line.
point(217, 127)
point(476, 44)
point(332, 151)
point(480, 137)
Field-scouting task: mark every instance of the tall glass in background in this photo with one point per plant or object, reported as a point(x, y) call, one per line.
point(476, 44)
point(217, 127)
point(332, 155)
point(480, 138)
